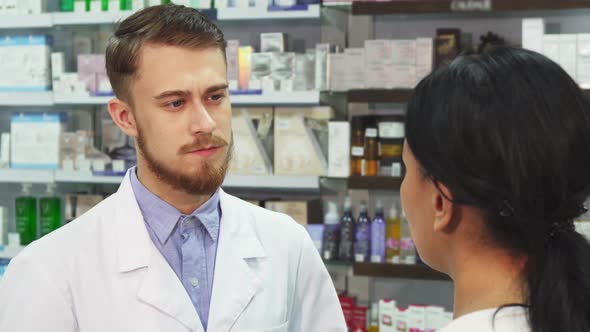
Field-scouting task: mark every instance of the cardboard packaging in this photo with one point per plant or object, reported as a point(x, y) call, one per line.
point(283, 71)
point(339, 149)
point(304, 72)
point(272, 42)
point(583, 60)
point(78, 204)
point(568, 54)
point(551, 47)
point(35, 140)
point(322, 67)
point(261, 72)
point(5, 150)
point(424, 57)
point(233, 68)
point(379, 64)
point(25, 64)
point(387, 315)
point(251, 129)
point(338, 72)
point(533, 30)
point(303, 212)
point(301, 141)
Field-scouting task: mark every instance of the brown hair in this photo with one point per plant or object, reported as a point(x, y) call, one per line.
point(165, 24)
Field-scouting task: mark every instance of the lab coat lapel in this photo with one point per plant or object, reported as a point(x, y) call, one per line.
point(159, 287)
point(235, 281)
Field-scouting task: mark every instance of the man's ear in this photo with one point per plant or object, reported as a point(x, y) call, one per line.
point(123, 117)
point(443, 208)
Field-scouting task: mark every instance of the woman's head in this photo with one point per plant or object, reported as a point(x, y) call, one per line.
point(498, 153)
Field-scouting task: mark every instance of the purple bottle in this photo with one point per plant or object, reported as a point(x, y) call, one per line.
point(378, 236)
point(347, 233)
point(362, 245)
point(331, 238)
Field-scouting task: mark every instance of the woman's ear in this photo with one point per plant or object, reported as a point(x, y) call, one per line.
point(443, 208)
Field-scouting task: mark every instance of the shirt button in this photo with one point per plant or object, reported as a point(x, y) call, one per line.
point(194, 282)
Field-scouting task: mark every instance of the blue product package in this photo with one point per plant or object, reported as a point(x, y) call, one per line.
point(316, 232)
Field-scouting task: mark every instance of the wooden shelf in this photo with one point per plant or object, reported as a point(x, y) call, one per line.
point(380, 96)
point(402, 271)
point(374, 183)
point(400, 96)
point(449, 6)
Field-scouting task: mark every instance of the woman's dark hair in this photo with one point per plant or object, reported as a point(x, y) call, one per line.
point(508, 132)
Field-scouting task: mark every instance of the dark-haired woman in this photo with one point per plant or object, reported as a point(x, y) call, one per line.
point(498, 167)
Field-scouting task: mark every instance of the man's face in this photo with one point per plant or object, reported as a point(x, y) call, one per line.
point(183, 116)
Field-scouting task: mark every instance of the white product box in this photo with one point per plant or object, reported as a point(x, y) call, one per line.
point(10, 7)
point(304, 72)
point(298, 147)
point(387, 313)
point(57, 65)
point(114, 6)
point(416, 316)
point(252, 158)
point(404, 52)
point(3, 226)
point(261, 71)
point(283, 70)
point(154, 2)
point(338, 72)
point(339, 149)
point(98, 165)
point(355, 65)
point(79, 6)
point(379, 64)
point(221, 4)
point(272, 42)
point(95, 6)
point(231, 53)
point(551, 47)
point(5, 150)
point(424, 57)
point(83, 165)
point(434, 318)
point(568, 53)
point(138, 4)
point(25, 64)
point(322, 67)
point(36, 139)
point(583, 60)
point(533, 30)
point(404, 76)
point(118, 166)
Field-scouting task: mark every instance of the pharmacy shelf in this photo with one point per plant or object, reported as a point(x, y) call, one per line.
point(70, 18)
point(26, 21)
point(9, 252)
point(85, 177)
point(272, 182)
point(242, 14)
point(26, 176)
point(277, 98)
point(374, 183)
point(42, 98)
point(454, 6)
point(399, 96)
point(402, 271)
point(80, 100)
point(379, 96)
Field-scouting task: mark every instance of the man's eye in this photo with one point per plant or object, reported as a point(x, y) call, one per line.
point(176, 103)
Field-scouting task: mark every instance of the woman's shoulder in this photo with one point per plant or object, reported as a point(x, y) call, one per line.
point(511, 319)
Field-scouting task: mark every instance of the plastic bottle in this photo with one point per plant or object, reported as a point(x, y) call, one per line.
point(50, 211)
point(374, 321)
point(378, 236)
point(26, 215)
point(362, 244)
point(331, 237)
point(347, 233)
point(392, 231)
point(407, 248)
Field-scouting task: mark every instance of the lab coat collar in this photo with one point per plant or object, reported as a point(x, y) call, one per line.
point(235, 279)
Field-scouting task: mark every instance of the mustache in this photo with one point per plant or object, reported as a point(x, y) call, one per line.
point(202, 142)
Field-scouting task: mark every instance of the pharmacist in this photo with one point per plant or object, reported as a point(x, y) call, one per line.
point(170, 251)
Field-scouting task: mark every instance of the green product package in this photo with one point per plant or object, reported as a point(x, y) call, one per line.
point(26, 216)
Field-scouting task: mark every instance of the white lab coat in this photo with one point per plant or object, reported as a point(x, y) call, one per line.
point(102, 273)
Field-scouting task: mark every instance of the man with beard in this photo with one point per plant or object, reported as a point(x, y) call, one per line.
point(170, 251)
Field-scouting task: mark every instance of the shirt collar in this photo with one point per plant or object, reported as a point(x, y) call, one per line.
point(162, 217)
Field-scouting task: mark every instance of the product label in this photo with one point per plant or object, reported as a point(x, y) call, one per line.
point(371, 132)
point(396, 170)
point(391, 129)
point(358, 151)
point(407, 243)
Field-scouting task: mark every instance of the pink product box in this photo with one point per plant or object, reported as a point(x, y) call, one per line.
point(91, 63)
point(90, 80)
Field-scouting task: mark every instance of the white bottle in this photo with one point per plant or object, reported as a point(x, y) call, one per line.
point(331, 238)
